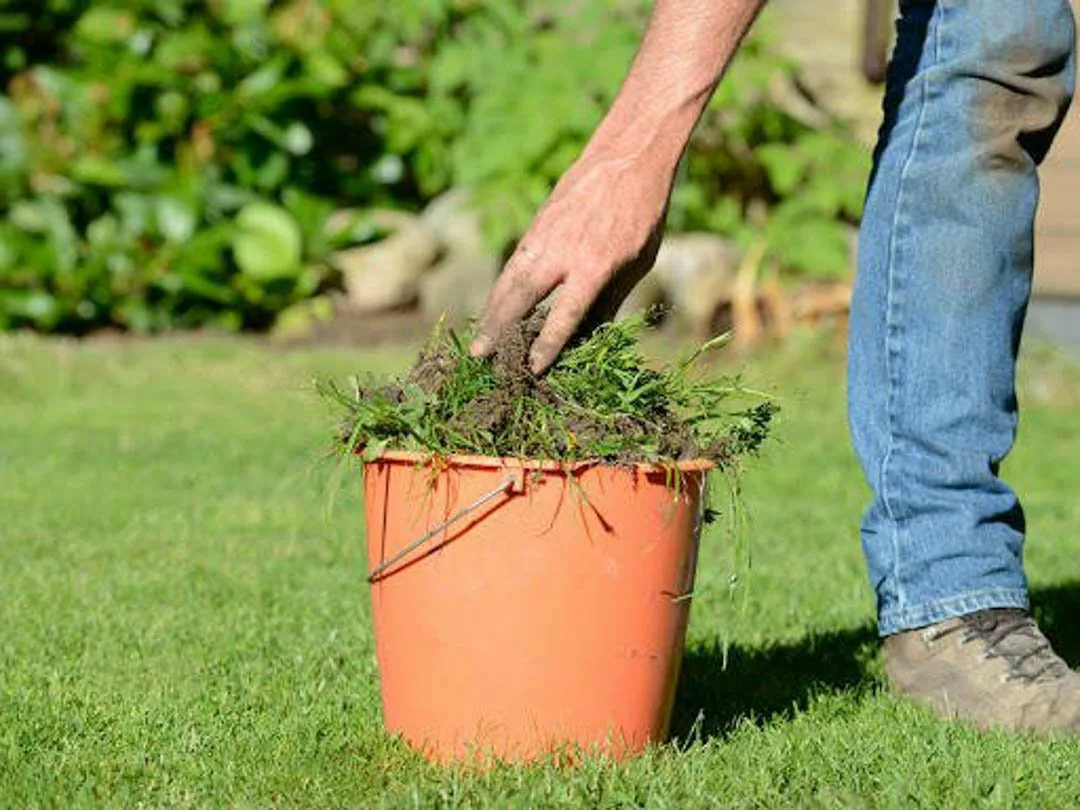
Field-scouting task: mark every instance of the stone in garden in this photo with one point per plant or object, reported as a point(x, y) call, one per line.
point(458, 284)
point(455, 224)
point(386, 275)
point(695, 273)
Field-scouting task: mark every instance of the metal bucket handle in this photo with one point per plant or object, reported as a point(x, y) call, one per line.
point(513, 483)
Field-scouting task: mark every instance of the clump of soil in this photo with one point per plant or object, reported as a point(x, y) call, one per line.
point(513, 381)
point(600, 401)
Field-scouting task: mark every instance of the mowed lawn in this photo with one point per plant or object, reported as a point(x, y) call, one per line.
point(184, 620)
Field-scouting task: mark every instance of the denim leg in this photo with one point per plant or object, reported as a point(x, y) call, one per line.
point(975, 94)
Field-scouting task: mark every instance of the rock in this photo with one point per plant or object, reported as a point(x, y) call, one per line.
point(693, 277)
point(457, 287)
point(696, 272)
point(455, 225)
point(386, 275)
point(458, 284)
point(439, 259)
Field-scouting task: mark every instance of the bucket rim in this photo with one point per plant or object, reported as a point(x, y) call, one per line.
point(418, 458)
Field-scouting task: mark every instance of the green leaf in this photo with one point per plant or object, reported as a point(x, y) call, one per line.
point(187, 50)
point(98, 171)
point(783, 165)
point(36, 306)
point(102, 25)
point(268, 243)
point(28, 216)
point(300, 319)
point(272, 172)
point(48, 217)
point(325, 69)
point(136, 211)
point(817, 248)
point(297, 138)
point(262, 81)
point(239, 11)
point(7, 253)
point(176, 220)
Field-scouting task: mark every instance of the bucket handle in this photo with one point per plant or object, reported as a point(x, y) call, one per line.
point(686, 593)
point(512, 483)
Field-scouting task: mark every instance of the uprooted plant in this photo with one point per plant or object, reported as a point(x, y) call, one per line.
point(601, 401)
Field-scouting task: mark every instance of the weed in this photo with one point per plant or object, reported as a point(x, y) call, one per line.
point(601, 401)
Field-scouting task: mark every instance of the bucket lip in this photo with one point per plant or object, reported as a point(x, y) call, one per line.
point(416, 457)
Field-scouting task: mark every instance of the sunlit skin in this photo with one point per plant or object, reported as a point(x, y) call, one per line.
point(599, 231)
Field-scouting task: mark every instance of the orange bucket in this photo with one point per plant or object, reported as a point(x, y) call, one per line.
point(523, 608)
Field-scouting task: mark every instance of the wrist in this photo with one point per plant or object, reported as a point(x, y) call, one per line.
point(647, 130)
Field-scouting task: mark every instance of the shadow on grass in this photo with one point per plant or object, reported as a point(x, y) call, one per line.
point(1057, 609)
point(762, 684)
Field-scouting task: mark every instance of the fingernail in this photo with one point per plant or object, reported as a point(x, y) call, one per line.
point(537, 362)
point(480, 347)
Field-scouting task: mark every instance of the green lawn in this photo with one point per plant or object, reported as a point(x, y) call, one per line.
point(183, 618)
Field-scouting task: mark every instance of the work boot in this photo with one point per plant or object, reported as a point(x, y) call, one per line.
point(993, 668)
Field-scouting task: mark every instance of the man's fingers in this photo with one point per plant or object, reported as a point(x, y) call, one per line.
point(515, 293)
point(566, 315)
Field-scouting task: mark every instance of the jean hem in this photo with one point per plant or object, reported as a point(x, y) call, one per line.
point(912, 618)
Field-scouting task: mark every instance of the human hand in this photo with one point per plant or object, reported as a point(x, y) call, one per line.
point(594, 238)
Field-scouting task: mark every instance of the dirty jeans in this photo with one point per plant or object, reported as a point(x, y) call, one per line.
point(975, 94)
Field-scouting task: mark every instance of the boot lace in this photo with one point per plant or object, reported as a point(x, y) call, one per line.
point(1011, 634)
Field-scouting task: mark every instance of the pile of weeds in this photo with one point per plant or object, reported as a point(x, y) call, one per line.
point(600, 401)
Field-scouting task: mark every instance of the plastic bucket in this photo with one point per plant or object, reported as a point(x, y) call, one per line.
point(523, 608)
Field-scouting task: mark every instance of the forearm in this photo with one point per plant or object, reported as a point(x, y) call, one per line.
point(686, 49)
point(599, 231)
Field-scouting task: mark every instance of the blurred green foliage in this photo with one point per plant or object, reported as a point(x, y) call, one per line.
point(782, 173)
point(171, 163)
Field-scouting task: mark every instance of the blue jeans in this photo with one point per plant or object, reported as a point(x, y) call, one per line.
point(975, 94)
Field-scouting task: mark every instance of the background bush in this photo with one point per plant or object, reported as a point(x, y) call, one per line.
point(169, 163)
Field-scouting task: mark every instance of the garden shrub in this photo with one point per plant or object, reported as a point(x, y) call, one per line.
point(171, 163)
